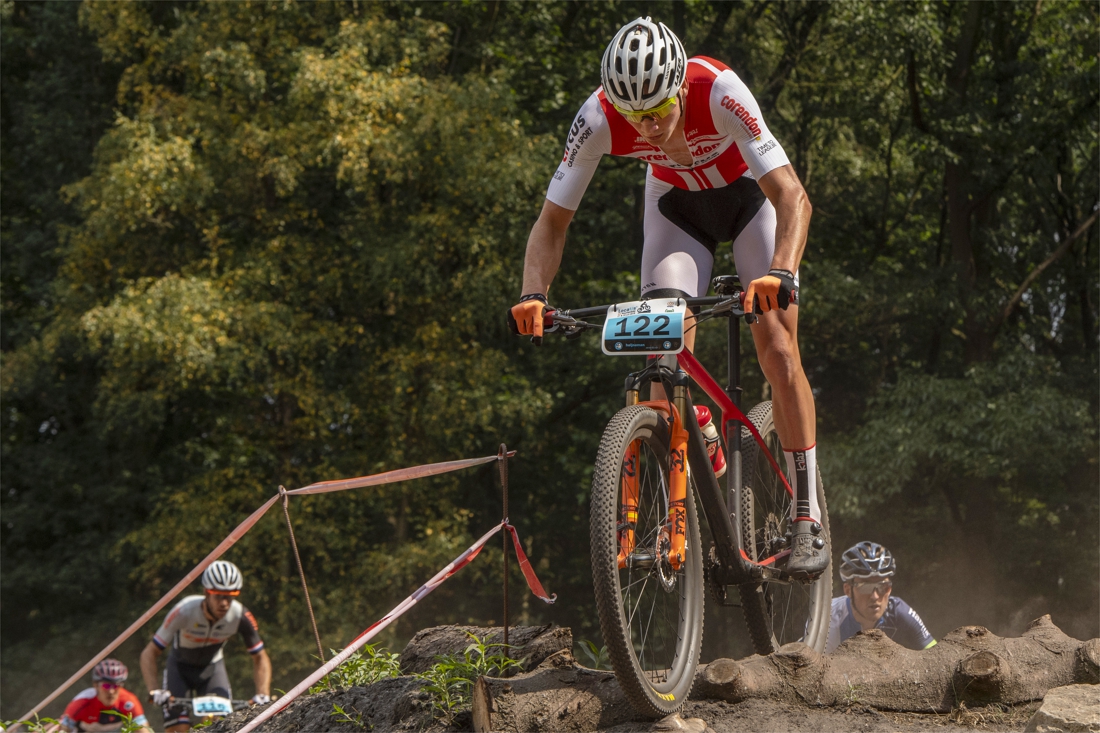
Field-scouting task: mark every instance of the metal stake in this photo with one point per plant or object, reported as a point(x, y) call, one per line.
point(502, 460)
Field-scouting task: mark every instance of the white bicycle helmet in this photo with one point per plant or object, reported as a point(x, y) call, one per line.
point(643, 66)
point(111, 670)
point(222, 576)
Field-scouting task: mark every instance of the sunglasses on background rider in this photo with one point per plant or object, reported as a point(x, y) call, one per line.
point(109, 685)
point(866, 588)
point(659, 112)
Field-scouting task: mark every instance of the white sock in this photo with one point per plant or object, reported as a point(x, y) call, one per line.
point(802, 467)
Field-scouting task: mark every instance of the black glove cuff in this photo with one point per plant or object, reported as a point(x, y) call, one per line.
point(534, 296)
point(788, 291)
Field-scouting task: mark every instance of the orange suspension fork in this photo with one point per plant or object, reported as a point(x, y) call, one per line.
point(628, 506)
point(677, 478)
point(628, 509)
point(677, 513)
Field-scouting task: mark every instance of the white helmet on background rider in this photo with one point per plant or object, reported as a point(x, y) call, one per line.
point(643, 66)
point(222, 577)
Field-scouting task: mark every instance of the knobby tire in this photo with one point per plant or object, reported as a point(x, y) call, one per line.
point(654, 661)
point(777, 613)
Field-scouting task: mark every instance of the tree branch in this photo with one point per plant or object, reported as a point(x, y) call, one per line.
point(1034, 274)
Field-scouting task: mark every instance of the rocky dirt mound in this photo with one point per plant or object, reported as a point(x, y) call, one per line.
point(971, 678)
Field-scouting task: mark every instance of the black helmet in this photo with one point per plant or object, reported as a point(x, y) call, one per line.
point(864, 560)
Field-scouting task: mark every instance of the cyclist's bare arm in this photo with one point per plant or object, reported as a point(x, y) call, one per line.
point(792, 215)
point(261, 672)
point(544, 248)
point(149, 657)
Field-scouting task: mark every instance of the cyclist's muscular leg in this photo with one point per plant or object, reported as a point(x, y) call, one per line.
point(776, 338)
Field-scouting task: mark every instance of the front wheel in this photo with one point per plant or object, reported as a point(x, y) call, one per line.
point(777, 612)
point(651, 615)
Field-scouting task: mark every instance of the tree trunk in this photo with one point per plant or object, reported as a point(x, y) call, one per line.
point(532, 644)
point(970, 665)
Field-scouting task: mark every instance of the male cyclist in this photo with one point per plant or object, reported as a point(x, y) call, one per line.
point(106, 705)
point(197, 628)
point(866, 570)
point(716, 174)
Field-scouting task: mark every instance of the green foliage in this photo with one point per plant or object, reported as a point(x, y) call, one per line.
point(451, 679)
point(597, 656)
point(38, 725)
point(343, 716)
point(364, 667)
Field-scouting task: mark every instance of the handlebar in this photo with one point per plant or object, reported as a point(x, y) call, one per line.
point(569, 320)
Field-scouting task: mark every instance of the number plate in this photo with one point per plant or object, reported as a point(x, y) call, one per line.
point(212, 705)
point(645, 327)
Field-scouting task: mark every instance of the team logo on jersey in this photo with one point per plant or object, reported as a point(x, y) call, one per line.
point(128, 706)
point(742, 114)
point(559, 175)
point(770, 145)
point(571, 156)
point(576, 128)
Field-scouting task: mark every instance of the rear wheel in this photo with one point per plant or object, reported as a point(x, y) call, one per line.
point(651, 615)
point(777, 612)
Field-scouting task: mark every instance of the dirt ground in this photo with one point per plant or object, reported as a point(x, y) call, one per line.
point(399, 705)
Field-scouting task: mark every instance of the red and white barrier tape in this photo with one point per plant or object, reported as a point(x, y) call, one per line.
point(457, 564)
point(404, 474)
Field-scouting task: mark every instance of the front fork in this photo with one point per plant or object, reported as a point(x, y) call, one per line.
point(674, 531)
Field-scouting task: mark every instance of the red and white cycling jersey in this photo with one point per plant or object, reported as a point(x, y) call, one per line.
point(723, 127)
point(87, 713)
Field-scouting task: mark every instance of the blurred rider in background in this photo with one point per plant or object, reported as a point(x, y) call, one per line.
point(197, 629)
point(106, 705)
point(867, 569)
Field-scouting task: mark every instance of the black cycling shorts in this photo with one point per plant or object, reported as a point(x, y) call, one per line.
point(187, 680)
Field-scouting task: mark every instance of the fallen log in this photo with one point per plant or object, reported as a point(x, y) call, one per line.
point(970, 665)
point(532, 644)
point(558, 696)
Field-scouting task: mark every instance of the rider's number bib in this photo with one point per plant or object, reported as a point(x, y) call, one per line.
point(212, 705)
point(645, 327)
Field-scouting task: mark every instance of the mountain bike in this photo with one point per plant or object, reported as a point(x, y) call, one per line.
point(652, 471)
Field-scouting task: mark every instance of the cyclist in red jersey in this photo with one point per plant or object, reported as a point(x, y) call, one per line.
point(106, 705)
point(716, 174)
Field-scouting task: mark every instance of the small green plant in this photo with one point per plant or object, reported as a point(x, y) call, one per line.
point(204, 723)
point(344, 717)
point(364, 667)
point(128, 724)
point(38, 725)
point(851, 696)
point(451, 679)
point(597, 658)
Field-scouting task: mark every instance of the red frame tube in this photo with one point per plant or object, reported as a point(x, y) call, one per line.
point(700, 376)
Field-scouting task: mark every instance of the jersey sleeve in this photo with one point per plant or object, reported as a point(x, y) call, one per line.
point(588, 141)
point(250, 633)
point(736, 113)
point(912, 631)
point(163, 636)
point(130, 705)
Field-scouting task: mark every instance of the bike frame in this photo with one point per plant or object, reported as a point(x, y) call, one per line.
point(721, 512)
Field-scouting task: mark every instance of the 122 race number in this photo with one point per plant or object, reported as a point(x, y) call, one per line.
point(645, 327)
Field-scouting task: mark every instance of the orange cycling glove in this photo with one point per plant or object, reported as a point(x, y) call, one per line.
point(525, 318)
point(777, 289)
